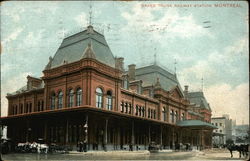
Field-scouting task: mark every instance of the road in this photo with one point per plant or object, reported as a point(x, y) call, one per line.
point(214, 154)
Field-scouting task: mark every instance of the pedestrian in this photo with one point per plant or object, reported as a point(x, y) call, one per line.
point(85, 146)
point(81, 146)
point(130, 147)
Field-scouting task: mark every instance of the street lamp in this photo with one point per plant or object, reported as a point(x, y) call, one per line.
point(85, 127)
point(28, 132)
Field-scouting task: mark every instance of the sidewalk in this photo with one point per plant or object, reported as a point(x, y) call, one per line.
point(119, 152)
point(115, 152)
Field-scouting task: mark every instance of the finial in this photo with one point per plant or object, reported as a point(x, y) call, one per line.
point(155, 56)
point(202, 84)
point(90, 13)
point(158, 84)
point(175, 66)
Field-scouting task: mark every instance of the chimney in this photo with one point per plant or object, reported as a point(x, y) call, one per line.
point(119, 63)
point(131, 72)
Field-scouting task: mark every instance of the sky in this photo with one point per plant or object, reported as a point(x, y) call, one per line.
point(207, 40)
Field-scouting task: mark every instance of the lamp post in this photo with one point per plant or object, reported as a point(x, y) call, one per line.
point(85, 127)
point(28, 133)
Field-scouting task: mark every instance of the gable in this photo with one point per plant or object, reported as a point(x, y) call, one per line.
point(176, 92)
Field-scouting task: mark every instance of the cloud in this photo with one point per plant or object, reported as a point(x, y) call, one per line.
point(225, 99)
point(81, 19)
point(238, 47)
point(12, 36)
point(11, 86)
point(171, 23)
point(192, 75)
point(228, 62)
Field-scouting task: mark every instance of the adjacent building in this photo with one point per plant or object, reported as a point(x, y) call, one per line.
point(86, 95)
point(224, 131)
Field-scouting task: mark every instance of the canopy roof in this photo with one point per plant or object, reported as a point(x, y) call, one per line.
point(195, 123)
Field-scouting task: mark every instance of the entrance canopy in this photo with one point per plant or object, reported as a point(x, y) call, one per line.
point(196, 124)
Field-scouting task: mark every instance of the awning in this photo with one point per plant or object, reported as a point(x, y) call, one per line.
point(195, 123)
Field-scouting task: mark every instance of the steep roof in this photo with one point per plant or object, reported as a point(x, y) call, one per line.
point(151, 73)
point(73, 48)
point(25, 89)
point(199, 99)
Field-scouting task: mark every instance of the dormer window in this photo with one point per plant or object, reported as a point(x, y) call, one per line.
point(125, 83)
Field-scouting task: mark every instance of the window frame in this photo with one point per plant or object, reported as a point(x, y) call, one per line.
point(99, 97)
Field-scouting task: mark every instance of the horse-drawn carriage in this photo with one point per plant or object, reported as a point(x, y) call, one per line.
point(243, 149)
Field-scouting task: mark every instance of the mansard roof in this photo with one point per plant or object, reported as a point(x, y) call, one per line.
point(199, 99)
point(28, 87)
point(150, 74)
point(73, 48)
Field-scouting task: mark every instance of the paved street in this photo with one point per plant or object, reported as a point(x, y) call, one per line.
point(125, 155)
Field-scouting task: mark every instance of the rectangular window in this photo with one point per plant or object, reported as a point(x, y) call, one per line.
point(136, 110)
point(126, 107)
point(99, 101)
point(122, 107)
point(109, 103)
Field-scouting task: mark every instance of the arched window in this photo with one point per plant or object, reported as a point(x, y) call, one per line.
point(16, 110)
point(122, 106)
point(172, 116)
point(130, 108)
point(126, 107)
point(27, 108)
point(71, 98)
point(21, 108)
point(109, 100)
point(38, 106)
point(99, 95)
point(125, 83)
point(79, 97)
point(30, 108)
point(176, 116)
point(182, 116)
point(53, 101)
point(42, 106)
point(60, 99)
point(163, 114)
point(139, 110)
point(136, 112)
